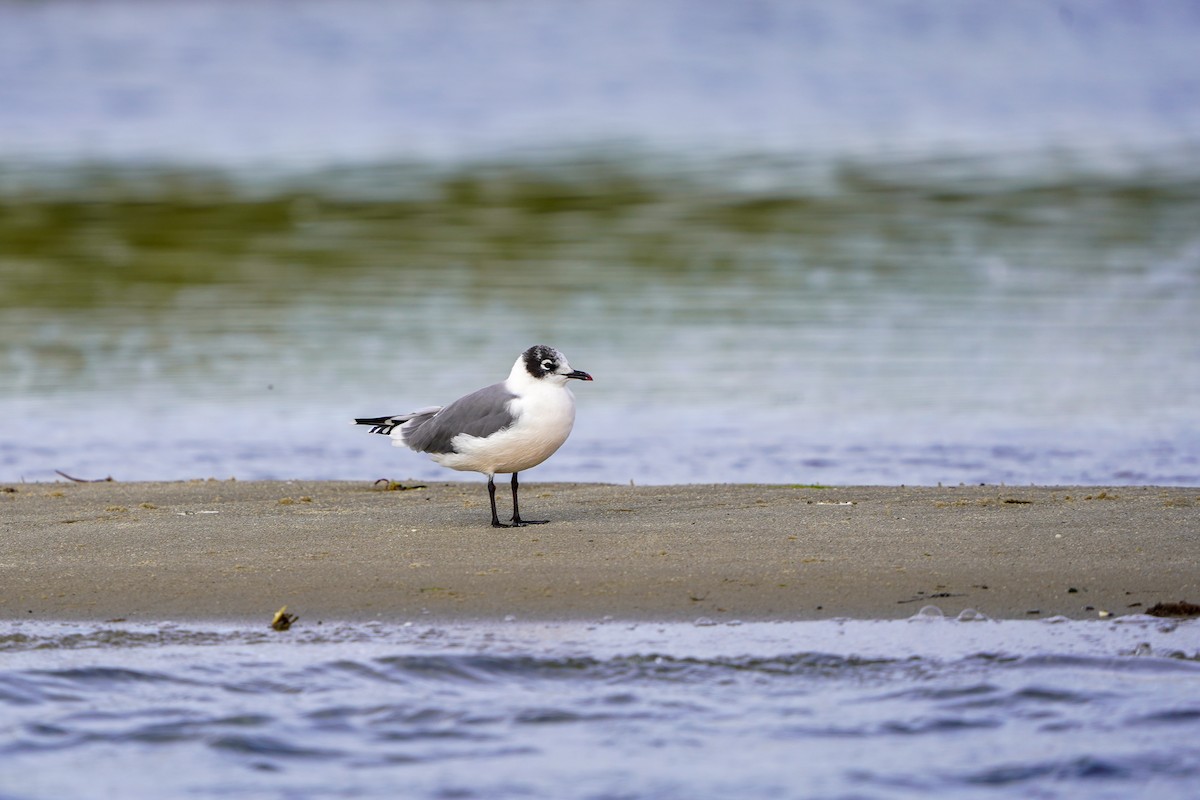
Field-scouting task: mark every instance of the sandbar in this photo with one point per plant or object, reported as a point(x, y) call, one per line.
point(331, 551)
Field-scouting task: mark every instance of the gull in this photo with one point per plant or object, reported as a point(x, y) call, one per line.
point(509, 426)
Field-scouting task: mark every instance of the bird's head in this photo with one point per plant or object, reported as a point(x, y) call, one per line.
point(543, 362)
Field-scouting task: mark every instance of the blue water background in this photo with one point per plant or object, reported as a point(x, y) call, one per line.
point(928, 707)
point(795, 242)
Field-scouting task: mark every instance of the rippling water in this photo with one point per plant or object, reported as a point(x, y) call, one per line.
point(930, 707)
point(844, 243)
point(878, 325)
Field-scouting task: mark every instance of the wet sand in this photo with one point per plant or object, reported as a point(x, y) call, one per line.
point(230, 550)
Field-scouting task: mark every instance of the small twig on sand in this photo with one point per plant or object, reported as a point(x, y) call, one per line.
point(393, 486)
point(83, 480)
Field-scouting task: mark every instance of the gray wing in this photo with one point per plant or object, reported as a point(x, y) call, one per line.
point(480, 413)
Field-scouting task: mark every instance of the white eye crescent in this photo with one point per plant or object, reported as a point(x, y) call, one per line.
point(548, 365)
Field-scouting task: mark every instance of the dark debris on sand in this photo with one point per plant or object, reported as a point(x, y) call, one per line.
point(1179, 609)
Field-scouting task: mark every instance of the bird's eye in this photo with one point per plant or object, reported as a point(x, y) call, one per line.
point(548, 365)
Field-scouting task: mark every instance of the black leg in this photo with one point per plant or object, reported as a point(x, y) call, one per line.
point(496, 523)
point(516, 517)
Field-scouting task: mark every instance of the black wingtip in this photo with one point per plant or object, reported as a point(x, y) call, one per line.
point(382, 425)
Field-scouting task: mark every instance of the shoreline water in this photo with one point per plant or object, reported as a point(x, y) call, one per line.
point(342, 551)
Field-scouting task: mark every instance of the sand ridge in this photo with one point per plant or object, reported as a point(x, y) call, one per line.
point(343, 551)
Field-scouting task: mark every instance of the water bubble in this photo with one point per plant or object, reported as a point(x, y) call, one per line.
point(972, 615)
point(928, 613)
point(1142, 649)
point(704, 622)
